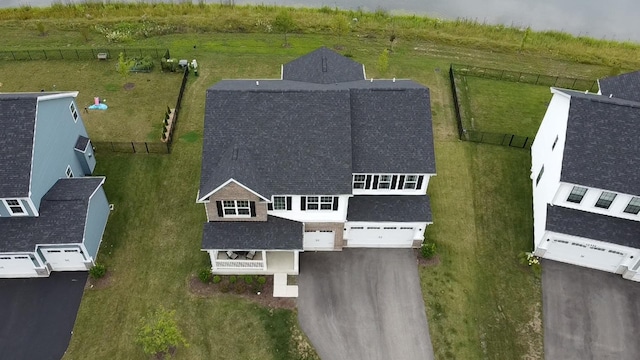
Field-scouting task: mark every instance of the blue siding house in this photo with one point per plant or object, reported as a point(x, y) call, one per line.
point(52, 211)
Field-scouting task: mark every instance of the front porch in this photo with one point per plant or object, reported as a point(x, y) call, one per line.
point(264, 262)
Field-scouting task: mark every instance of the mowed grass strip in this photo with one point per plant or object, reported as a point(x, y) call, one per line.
point(502, 107)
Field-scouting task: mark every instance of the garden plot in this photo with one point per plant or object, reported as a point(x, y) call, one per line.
point(136, 103)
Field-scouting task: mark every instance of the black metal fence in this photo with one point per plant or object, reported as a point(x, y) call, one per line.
point(79, 54)
point(524, 77)
point(185, 77)
point(131, 147)
point(512, 140)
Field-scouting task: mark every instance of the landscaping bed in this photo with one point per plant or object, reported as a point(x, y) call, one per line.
point(260, 294)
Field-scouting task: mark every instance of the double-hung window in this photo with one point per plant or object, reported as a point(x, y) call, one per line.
point(236, 208)
point(410, 181)
point(633, 207)
point(359, 181)
point(279, 203)
point(319, 203)
point(577, 194)
point(605, 200)
point(15, 207)
point(384, 182)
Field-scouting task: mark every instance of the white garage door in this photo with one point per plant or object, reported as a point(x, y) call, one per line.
point(584, 254)
point(319, 240)
point(14, 266)
point(380, 236)
point(64, 259)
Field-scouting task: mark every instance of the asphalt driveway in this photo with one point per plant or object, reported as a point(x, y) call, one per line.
point(37, 315)
point(589, 314)
point(363, 304)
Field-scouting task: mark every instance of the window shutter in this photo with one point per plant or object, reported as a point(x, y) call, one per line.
point(288, 202)
point(335, 203)
point(252, 206)
point(375, 182)
point(219, 205)
point(394, 180)
point(419, 185)
point(367, 184)
point(303, 203)
point(270, 206)
point(401, 182)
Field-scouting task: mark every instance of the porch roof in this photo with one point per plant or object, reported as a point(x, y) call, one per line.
point(274, 234)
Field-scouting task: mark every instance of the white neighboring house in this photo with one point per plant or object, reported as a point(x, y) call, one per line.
point(319, 160)
point(585, 166)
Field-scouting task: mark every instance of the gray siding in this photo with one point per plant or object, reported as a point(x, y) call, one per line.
point(25, 203)
point(97, 215)
point(3, 209)
point(55, 138)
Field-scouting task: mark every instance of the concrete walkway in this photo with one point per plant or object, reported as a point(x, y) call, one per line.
point(589, 314)
point(363, 304)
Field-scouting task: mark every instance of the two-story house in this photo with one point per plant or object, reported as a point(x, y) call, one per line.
point(585, 159)
point(319, 160)
point(52, 212)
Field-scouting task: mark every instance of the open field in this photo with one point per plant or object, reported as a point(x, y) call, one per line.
point(481, 303)
point(133, 115)
point(501, 106)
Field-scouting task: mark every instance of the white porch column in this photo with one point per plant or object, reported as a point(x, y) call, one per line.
point(264, 260)
point(213, 255)
point(296, 260)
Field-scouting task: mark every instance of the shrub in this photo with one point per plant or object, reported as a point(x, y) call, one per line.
point(248, 279)
point(224, 288)
point(217, 279)
point(239, 288)
point(205, 275)
point(142, 64)
point(262, 280)
point(428, 250)
point(233, 279)
point(97, 271)
point(159, 334)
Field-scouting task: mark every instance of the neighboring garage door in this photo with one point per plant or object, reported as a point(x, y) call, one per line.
point(380, 236)
point(19, 265)
point(64, 259)
point(319, 240)
point(584, 254)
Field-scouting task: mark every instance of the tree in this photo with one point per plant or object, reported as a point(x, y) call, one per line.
point(124, 65)
point(284, 23)
point(159, 334)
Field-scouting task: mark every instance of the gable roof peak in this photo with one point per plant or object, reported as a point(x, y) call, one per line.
point(323, 66)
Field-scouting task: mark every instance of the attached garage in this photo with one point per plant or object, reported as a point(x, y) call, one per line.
point(64, 258)
point(319, 240)
point(17, 265)
point(584, 253)
point(391, 236)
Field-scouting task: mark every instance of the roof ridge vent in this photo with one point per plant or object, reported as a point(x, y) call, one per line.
point(324, 64)
point(235, 153)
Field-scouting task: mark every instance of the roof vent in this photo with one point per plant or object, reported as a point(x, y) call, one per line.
point(257, 82)
point(235, 154)
point(610, 96)
point(586, 92)
point(324, 64)
point(394, 79)
point(371, 79)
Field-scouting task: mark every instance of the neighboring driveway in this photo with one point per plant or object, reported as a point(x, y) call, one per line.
point(37, 315)
point(363, 304)
point(589, 314)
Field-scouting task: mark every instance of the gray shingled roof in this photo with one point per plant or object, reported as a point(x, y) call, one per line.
point(323, 66)
point(389, 208)
point(288, 142)
point(274, 234)
point(292, 137)
point(63, 212)
point(625, 86)
point(593, 226)
point(17, 121)
point(602, 145)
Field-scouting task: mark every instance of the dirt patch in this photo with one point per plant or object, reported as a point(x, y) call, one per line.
point(129, 86)
point(262, 295)
point(433, 261)
point(102, 283)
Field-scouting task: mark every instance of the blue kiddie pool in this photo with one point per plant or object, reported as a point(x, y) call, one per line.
point(97, 105)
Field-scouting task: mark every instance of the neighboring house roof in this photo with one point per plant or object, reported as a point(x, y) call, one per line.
point(593, 226)
point(295, 137)
point(602, 147)
point(625, 86)
point(395, 208)
point(274, 234)
point(62, 219)
point(17, 121)
point(323, 66)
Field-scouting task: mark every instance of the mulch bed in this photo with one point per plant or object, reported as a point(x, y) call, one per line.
point(240, 289)
point(102, 283)
point(435, 260)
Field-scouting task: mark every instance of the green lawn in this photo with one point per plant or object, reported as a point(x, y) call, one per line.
point(133, 115)
point(502, 107)
point(481, 303)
